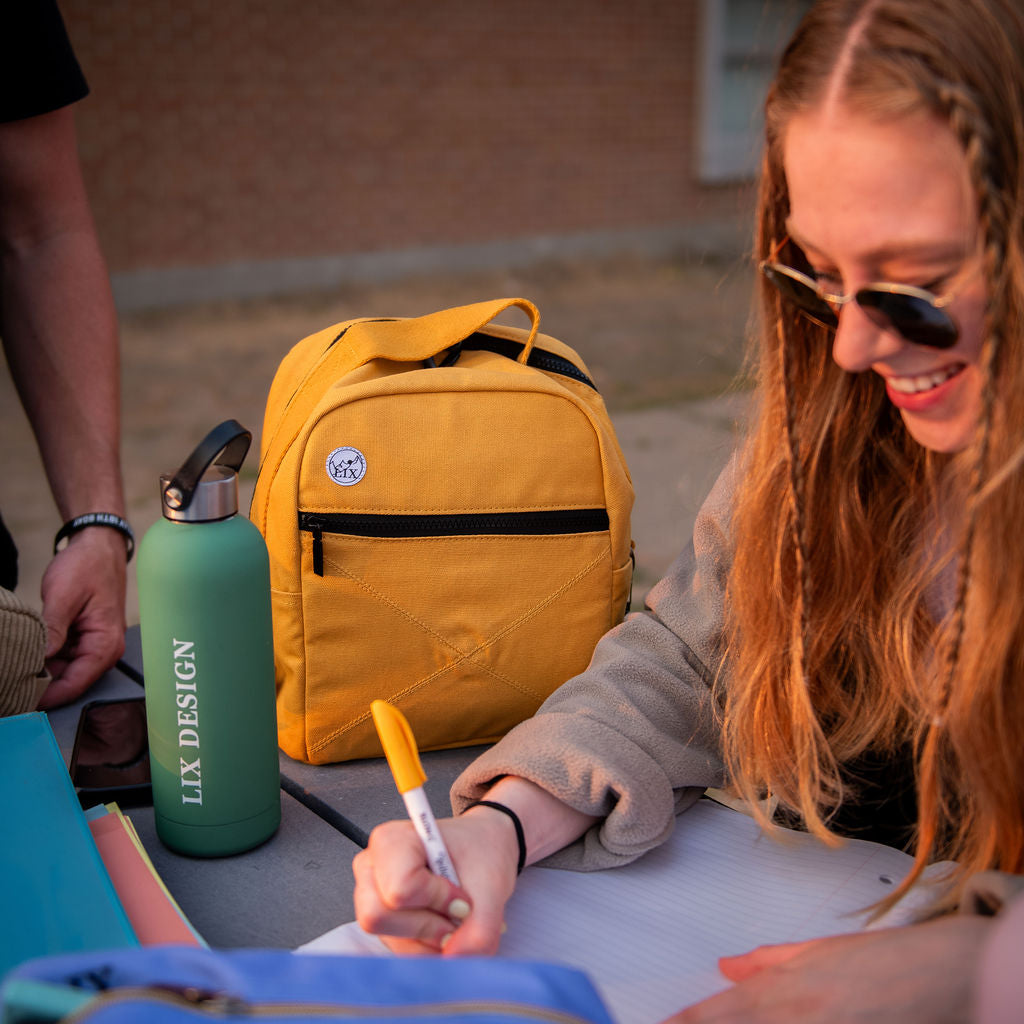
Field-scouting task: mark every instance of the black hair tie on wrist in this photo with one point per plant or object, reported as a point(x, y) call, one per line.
point(115, 522)
point(520, 835)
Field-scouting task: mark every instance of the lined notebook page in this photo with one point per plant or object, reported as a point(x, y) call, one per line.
point(649, 934)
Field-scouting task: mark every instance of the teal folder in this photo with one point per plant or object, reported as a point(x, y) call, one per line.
point(55, 893)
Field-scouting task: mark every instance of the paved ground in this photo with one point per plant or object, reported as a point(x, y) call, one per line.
point(662, 339)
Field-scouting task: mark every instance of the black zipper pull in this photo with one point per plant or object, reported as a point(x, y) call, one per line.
point(632, 576)
point(316, 528)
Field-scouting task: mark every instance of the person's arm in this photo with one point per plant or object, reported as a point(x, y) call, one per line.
point(59, 332)
point(635, 739)
point(626, 745)
point(397, 896)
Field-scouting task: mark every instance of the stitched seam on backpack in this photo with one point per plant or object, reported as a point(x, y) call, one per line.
point(503, 632)
point(463, 656)
point(451, 666)
point(550, 599)
point(510, 628)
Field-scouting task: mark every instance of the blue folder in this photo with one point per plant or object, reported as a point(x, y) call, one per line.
point(55, 893)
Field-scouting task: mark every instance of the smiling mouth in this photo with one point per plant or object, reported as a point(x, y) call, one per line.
point(923, 382)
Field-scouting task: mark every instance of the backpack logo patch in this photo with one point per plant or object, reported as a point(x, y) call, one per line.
point(346, 466)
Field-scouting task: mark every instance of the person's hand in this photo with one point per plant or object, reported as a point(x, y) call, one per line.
point(414, 910)
point(83, 591)
point(922, 973)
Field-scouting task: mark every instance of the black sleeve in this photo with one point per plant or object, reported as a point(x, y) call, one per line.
point(38, 68)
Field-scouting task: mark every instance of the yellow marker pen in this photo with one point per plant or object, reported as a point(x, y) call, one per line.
point(404, 761)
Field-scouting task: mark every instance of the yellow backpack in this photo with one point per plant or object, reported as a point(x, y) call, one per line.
point(446, 509)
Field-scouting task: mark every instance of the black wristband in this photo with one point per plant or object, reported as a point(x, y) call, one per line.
point(520, 834)
point(115, 522)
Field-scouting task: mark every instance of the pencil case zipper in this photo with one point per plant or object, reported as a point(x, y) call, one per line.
point(544, 522)
point(222, 1007)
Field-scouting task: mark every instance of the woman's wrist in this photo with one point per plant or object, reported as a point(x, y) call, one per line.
point(516, 824)
point(547, 823)
point(501, 839)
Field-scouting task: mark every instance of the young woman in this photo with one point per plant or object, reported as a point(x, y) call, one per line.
point(844, 645)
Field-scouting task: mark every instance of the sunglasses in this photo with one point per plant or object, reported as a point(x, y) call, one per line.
point(915, 314)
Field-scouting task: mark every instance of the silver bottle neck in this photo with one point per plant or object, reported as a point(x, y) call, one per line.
point(215, 497)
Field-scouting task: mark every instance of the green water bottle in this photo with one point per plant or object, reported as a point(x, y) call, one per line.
point(208, 658)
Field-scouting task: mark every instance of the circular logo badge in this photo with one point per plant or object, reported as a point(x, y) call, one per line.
point(346, 466)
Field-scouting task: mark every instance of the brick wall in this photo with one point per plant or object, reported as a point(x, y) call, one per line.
point(248, 130)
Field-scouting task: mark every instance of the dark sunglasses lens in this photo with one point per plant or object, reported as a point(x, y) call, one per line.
point(802, 296)
point(909, 316)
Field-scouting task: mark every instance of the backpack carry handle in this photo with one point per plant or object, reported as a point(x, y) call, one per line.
point(418, 339)
point(412, 340)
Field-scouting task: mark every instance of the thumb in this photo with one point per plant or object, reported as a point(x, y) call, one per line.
point(746, 965)
point(57, 621)
point(60, 606)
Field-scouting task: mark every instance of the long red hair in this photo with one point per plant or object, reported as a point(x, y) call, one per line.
point(835, 647)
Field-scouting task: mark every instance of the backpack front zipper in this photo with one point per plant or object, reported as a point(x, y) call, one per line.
point(539, 523)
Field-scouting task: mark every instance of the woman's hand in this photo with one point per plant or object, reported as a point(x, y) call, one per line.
point(922, 973)
point(398, 897)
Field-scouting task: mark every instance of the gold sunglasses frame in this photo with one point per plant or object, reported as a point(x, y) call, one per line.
point(937, 302)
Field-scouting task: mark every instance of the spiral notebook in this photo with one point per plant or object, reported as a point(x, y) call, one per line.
point(649, 934)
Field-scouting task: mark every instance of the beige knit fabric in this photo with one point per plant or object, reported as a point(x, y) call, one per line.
point(22, 647)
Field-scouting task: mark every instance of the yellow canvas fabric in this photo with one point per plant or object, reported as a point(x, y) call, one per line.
point(435, 530)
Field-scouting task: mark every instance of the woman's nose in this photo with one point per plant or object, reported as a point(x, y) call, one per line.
point(859, 343)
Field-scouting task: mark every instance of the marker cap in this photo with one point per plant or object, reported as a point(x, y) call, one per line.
point(399, 746)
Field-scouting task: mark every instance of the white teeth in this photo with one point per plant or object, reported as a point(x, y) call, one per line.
point(924, 382)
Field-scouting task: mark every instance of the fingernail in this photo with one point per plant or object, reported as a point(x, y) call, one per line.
point(458, 908)
point(445, 938)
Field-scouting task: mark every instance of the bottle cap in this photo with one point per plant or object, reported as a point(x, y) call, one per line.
point(214, 497)
point(205, 487)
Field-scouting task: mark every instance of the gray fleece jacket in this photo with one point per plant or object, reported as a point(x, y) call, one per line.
point(633, 739)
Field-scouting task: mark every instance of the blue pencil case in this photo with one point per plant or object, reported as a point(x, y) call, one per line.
point(177, 984)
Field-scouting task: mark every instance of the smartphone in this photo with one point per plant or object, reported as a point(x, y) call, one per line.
point(110, 759)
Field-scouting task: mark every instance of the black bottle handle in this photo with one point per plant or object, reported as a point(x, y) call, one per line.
point(226, 445)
